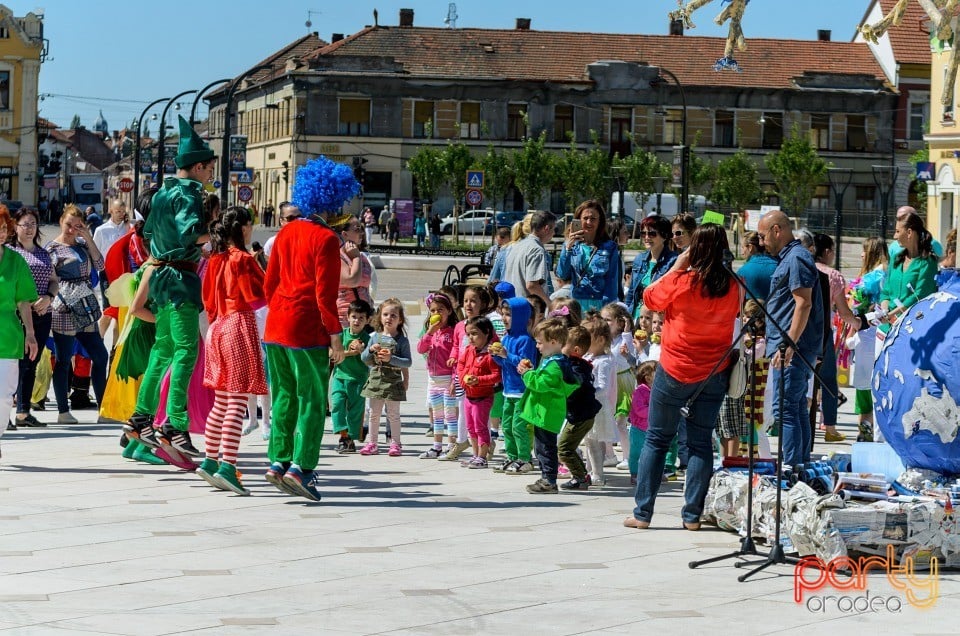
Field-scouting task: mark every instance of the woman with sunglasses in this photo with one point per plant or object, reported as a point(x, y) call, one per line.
point(652, 263)
point(589, 259)
point(356, 271)
point(25, 242)
point(683, 226)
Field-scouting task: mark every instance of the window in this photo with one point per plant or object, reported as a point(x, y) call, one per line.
point(947, 107)
point(918, 120)
point(771, 127)
point(866, 197)
point(724, 129)
point(423, 124)
point(856, 133)
point(821, 198)
point(355, 117)
point(562, 123)
point(820, 131)
point(470, 120)
point(516, 126)
point(621, 121)
point(673, 127)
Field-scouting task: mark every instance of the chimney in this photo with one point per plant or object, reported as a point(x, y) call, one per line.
point(523, 24)
point(823, 35)
point(406, 18)
point(336, 37)
point(676, 26)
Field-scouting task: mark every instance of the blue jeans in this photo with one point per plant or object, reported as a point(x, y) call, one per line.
point(795, 427)
point(93, 345)
point(667, 396)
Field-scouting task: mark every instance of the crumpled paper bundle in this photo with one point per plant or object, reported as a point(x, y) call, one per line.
point(804, 522)
point(913, 478)
point(726, 502)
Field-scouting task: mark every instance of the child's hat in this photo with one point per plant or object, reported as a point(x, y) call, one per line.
point(192, 149)
point(505, 290)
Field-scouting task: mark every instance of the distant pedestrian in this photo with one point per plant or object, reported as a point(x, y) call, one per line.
point(383, 219)
point(268, 211)
point(393, 228)
point(420, 230)
point(369, 224)
point(435, 231)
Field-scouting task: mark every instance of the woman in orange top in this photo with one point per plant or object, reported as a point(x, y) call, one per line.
point(232, 290)
point(699, 302)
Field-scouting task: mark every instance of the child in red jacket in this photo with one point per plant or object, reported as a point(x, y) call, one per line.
point(479, 376)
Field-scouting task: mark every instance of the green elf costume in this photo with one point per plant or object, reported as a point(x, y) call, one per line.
point(175, 228)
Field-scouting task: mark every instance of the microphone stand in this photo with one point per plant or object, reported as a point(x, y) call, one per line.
point(776, 555)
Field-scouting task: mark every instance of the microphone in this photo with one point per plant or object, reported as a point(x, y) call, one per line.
point(727, 258)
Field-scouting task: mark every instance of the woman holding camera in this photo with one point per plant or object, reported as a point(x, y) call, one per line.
point(590, 258)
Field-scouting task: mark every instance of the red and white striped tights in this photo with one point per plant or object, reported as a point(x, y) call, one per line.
point(225, 426)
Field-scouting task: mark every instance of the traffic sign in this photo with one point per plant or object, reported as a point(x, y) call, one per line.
point(474, 197)
point(245, 193)
point(243, 176)
point(125, 184)
point(217, 184)
point(475, 179)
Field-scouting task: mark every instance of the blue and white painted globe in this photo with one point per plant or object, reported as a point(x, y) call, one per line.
point(916, 382)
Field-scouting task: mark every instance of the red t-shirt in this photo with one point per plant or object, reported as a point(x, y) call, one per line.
point(697, 330)
point(233, 282)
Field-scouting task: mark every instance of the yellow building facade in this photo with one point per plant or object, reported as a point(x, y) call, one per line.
point(943, 192)
point(21, 51)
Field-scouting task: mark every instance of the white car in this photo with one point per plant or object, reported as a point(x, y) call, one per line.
point(470, 222)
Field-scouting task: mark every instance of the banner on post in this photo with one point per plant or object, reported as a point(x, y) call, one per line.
point(238, 153)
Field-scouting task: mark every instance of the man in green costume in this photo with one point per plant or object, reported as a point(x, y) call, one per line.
point(176, 228)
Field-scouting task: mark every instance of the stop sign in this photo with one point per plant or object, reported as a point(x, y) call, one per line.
point(125, 184)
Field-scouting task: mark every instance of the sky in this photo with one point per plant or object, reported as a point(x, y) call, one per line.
point(119, 55)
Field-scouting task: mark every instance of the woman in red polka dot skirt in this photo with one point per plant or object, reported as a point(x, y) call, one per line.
point(232, 291)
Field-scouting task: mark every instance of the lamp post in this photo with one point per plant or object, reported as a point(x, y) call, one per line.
point(658, 188)
point(136, 162)
point(225, 147)
point(885, 176)
point(840, 179)
point(684, 151)
point(163, 132)
point(196, 100)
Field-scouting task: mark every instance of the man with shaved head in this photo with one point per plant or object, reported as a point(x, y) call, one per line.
point(795, 304)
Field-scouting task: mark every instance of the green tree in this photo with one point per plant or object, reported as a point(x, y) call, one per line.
point(497, 175)
point(532, 168)
point(456, 159)
point(797, 170)
point(921, 191)
point(75, 122)
point(568, 174)
point(637, 172)
point(737, 181)
point(428, 170)
point(597, 172)
point(701, 171)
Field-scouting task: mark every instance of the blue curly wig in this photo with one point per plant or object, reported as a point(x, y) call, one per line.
point(323, 185)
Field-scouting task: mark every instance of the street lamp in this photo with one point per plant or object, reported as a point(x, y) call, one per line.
point(840, 179)
point(136, 163)
point(163, 131)
point(684, 151)
point(196, 100)
point(225, 147)
point(658, 188)
point(885, 177)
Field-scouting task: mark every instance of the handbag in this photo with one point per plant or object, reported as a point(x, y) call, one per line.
point(78, 299)
point(737, 386)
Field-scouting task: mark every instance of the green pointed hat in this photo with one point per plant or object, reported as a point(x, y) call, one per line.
point(192, 148)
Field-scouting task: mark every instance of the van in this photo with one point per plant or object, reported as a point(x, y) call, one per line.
point(669, 205)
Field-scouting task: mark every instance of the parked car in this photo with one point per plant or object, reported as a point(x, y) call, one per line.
point(470, 222)
point(503, 219)
point(562, 224)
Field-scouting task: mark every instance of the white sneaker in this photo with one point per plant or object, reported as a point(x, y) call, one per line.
point(610, 462)
point(67, 418)
point(623, 465)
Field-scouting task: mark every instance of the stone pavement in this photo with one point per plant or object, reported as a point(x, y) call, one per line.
point(93, 544)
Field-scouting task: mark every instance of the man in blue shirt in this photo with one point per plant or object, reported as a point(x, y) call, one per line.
point(797, 308)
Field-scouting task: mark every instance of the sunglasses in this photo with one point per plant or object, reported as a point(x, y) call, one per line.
point(291, 217)
point(679, 233)
point(649, 234)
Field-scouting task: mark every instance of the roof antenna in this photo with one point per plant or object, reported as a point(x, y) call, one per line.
point(376, 18)
point(310, 15)
point(451, 19)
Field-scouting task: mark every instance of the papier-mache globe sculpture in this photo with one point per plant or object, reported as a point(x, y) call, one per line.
point(916, 382)
point(322, 185)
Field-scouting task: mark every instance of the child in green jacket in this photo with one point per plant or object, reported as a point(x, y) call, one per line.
point(544, 401)
point(346, 409)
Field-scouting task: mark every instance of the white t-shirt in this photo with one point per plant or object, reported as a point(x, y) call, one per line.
point(109, 233)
